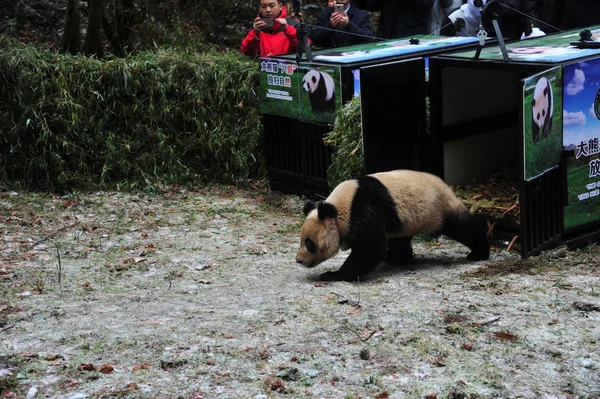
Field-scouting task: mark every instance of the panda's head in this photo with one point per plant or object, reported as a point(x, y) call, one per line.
point(320, 237)
point(310, 81)
point(541, 103)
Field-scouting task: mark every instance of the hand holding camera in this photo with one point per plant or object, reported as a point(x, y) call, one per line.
point(261, 24)
point(339, 19)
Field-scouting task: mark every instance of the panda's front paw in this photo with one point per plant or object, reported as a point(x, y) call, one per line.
point(481, 255)
point(330, 276)
point(337, 276)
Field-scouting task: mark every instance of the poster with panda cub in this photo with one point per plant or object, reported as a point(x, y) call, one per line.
point(320, 92)
point(542, 122)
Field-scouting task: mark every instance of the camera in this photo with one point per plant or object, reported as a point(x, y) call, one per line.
point(338, 7)
point(268, 22)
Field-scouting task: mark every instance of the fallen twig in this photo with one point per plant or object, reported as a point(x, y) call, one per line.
point(358, 334)
point(512, 242)
point(485, 322)
point(54, 233)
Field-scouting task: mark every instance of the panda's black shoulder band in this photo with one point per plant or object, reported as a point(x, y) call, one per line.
point(326, 210)
point(308, 207)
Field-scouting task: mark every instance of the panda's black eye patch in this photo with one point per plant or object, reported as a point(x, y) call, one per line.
point(544, 112)
point(538, 116)
point(310, 246)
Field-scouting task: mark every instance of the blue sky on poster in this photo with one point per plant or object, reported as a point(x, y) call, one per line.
point(582, 81)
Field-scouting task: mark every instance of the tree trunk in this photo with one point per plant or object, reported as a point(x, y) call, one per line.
point(93, 39)
point(70, 40)
point(124, 17)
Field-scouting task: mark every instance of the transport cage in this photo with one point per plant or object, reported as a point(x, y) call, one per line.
point(489, 115)
point(479, 134)
point(297, 158)
point(297, 114)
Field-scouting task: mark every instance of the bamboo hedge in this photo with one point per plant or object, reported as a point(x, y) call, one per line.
point(168, 116)
point(346, 138)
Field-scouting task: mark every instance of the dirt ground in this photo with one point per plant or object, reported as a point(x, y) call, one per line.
point(195, 294)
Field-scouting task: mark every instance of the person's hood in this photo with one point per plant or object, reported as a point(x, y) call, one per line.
point(471, 12)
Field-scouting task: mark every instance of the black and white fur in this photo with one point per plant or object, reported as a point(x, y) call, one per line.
point(321, 91)
point(377, 215)
point(542, 106)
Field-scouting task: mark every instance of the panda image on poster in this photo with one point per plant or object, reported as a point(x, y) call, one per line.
point(321, 91)
point(377, 215)
point(542, 105)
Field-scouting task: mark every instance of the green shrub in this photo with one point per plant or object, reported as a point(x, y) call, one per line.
point(170, 116)
point(346, 138)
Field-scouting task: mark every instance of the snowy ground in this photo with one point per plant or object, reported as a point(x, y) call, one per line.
point(195, 294)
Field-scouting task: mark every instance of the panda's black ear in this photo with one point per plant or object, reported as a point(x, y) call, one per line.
point(533, 102)
point(326, 210)
point(308, 207)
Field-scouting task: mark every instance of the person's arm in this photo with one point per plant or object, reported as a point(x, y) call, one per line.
point(251, 43)
point(290, 33)
point(447, 28)
point(361, 26)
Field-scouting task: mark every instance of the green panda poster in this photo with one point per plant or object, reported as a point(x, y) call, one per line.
point(581, 137)
point(279, 87)
point(320, 92)
point(542, 122)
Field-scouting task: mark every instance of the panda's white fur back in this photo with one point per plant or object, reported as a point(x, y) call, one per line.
point(422, 200)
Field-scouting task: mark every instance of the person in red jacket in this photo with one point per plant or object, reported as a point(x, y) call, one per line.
point(273, 33)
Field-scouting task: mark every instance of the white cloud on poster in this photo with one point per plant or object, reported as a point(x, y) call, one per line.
point(574, 118)
point(576, 83)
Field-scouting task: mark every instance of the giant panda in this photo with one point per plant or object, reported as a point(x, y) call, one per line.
point(541, 109)
point(377, 215)
point(321, 91)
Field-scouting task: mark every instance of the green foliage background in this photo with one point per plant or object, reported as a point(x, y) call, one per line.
point(172, 115)
point(346, 138)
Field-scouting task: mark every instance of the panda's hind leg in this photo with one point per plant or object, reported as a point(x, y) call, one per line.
point(399, 251)
point(469, 230)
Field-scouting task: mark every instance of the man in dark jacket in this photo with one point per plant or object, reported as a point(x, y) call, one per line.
point(399, 18)
point(352, 26)
point(573, 14)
